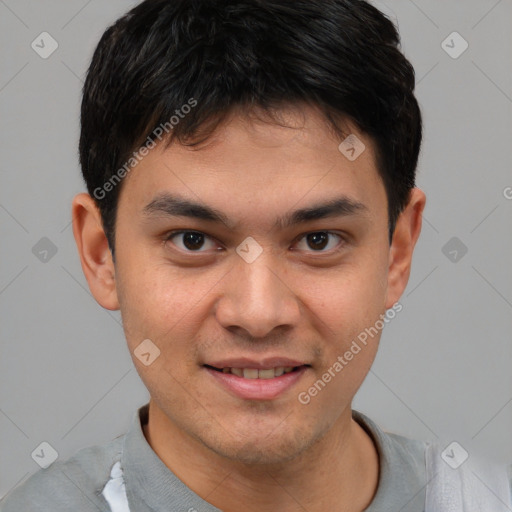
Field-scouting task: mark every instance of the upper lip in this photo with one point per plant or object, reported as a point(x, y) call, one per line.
point(262, 364)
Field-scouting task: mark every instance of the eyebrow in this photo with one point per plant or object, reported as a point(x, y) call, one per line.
point(171, 205)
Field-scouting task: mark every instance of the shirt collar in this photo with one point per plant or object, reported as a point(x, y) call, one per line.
point(401, 471)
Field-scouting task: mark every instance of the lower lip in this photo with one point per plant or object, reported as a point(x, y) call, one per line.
point(257, 389)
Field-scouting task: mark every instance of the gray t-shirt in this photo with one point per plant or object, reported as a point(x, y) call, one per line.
point(77, 484)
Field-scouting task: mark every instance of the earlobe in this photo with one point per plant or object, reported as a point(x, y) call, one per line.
point(406, 234)
point(95, 256)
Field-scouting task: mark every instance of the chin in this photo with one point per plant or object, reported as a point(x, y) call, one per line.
point(257, 448)
point(257, 454)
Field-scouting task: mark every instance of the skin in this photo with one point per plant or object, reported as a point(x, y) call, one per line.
point(295, 300)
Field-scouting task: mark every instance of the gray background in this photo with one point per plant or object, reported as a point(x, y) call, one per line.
point(444, 366)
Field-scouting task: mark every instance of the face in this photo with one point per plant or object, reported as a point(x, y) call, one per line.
point(291, 273)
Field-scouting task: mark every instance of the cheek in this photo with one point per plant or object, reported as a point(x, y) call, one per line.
point(346, 308)
point(348, 299)
point(163, 303)
point(157, 304)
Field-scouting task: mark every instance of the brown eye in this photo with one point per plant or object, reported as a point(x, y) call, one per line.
point(189, 241)
point(317, 241)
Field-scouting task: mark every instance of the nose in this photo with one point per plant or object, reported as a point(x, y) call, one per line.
point(258, 297)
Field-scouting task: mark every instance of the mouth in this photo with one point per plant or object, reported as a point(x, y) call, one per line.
point(255, 373)
point(252, 381)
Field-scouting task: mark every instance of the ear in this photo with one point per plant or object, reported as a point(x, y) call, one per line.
point(407, 231)
point(95, 255)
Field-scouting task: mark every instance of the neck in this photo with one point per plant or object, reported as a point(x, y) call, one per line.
point(340, 472)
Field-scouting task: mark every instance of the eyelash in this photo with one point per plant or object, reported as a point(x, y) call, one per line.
point(171, 234)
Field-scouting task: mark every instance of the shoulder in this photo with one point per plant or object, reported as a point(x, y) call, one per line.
point(407, 450)
point(74, 484)
point(466, 480)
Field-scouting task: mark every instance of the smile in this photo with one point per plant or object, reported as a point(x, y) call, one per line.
point(255, 373)
point(256, 383)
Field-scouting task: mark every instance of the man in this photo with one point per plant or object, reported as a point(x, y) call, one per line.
point(252, 212)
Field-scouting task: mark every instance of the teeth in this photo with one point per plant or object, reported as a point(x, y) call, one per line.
point(237, 371)
point(266, 374)
point(250, 373)
point(253, 373)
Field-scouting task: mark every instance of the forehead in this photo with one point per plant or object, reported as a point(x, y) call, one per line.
point(250, 165)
